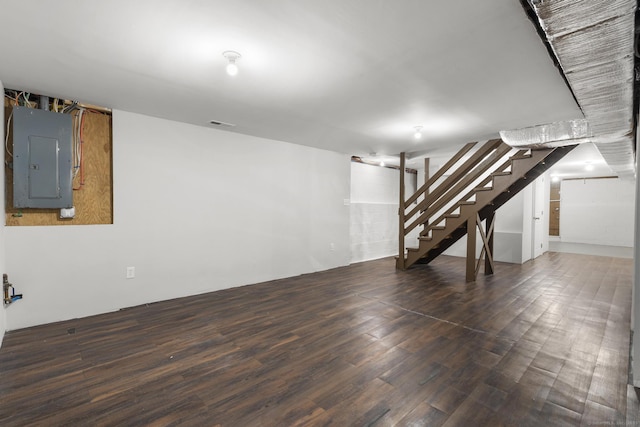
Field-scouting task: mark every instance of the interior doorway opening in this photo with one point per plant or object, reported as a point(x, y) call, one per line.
point(554, 209)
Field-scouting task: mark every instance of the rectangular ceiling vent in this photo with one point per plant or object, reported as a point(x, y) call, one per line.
point(219, 123)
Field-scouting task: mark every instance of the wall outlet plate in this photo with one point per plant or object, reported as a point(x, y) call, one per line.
point(131, 272)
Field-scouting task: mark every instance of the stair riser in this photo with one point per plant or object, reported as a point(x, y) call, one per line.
point(500, 184)
point(502, 198)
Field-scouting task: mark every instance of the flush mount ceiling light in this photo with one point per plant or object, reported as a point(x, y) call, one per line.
point(418, 132)
point(588, 166)
point(232, 56)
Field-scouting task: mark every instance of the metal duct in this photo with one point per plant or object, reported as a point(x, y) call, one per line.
point(594, 45)
point(550, 135)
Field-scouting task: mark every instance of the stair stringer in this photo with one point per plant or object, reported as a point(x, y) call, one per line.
point(505, 186)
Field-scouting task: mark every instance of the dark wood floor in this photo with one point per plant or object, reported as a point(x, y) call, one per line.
point(546, 343)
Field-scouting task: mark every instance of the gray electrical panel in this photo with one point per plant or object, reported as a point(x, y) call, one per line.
point(42, 166)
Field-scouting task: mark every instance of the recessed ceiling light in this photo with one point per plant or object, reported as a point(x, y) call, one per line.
point(418, 132)
point(232, 56)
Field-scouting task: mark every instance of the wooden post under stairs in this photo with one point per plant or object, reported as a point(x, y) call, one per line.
point(488, 260)
point(473, 265)
point(400, 263)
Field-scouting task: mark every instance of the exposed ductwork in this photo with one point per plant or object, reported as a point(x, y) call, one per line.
point(594, 45)
point(558, 134)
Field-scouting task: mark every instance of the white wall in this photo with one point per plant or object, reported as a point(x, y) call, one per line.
point(597, 211)
point(547, 210)
point(374, 217)
point(527, 223)
point(513, 228)
point(374, 205)
point(635, 291)
point(3, 318)
point(195, 210)
point(374, 211)
point(508, 234)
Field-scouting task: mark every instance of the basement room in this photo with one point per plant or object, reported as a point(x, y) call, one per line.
point(319, 213)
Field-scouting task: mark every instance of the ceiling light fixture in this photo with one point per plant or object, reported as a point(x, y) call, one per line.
point(382, 164)
point(418, 133)
point(232, 56)
point(555, 178)
point(588, 166)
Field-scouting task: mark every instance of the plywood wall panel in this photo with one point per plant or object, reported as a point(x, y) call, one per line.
point(92, 198)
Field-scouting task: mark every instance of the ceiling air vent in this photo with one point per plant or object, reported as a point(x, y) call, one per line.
point(218, 123)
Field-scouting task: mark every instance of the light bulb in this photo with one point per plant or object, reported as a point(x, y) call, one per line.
point(232, 68)
point(232, 56)
point(382, 164)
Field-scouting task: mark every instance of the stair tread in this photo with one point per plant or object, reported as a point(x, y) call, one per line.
point(433, 244)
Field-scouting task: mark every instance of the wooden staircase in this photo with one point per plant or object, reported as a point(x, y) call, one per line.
point(462, 194)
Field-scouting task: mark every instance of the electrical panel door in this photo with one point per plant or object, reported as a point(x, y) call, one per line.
point(42, 165)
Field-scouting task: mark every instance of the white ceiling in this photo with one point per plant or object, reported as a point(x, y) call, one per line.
point(350, 76)
point(584, 161)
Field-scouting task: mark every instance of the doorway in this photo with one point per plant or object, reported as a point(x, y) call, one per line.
point(554, 209)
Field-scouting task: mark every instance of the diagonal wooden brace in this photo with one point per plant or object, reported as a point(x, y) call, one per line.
point(473, 266)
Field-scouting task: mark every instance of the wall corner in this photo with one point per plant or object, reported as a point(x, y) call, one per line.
point(3, 314)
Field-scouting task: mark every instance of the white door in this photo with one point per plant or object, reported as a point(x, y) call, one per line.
point(539, 218)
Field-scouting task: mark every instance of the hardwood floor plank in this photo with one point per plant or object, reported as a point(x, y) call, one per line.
point(633, 406)
point(594, 413)
point(447, 399)
point(544, 343)
point(424, 415)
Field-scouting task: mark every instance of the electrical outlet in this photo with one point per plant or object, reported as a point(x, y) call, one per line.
point(131, 272)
